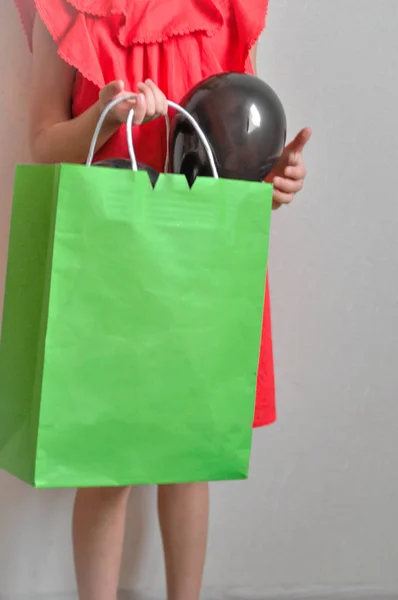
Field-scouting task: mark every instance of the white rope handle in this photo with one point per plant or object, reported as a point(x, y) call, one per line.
point(100, 124)
point(130, 143)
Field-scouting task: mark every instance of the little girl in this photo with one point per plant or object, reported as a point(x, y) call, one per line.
point(85, 53)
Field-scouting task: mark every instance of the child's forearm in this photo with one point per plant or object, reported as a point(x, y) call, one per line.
point(69, 141)
point(253, 58)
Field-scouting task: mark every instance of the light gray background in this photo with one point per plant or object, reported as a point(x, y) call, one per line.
point(320, 508)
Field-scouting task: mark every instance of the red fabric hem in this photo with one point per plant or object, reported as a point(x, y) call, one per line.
point(251, 23)
point(264, 420)
point(253, 39)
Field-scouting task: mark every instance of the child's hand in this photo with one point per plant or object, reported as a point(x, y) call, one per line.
point(289, 173)
point(150, 103)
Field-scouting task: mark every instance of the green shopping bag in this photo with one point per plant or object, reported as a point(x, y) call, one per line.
point(131, 327)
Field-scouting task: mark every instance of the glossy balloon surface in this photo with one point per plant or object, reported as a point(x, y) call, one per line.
point(244, 122)
point(124, 163)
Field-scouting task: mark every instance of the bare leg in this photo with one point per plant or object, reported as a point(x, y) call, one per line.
point(98, 532)
point(184, 516)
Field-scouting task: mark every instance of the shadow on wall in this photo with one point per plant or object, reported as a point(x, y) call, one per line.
point(35, 540)
point(30, 534)
point(14, 119)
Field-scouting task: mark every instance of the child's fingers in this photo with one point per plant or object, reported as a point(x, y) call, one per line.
point(294, 159)
point(301, 140)
point(160, 98)
point(114, 88)
point(290, 186)
point(140, 110)
point(298, 172)
point(282, 197)
point(150, 99)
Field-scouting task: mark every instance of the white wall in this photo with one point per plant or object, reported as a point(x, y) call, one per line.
point(321, 504)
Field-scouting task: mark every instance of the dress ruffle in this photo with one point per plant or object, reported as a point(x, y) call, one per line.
point(86, 30)
point(250, 17)
point(153, 21)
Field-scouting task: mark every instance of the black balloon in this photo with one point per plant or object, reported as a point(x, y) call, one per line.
point(244, 122)
point(124, 163)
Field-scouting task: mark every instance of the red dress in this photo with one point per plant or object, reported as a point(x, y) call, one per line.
point(176, 43)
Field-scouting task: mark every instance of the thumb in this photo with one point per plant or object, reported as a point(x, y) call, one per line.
point(300, 141)
point(112, 89)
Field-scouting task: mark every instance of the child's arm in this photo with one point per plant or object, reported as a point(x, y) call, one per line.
point(253, 58)
point(55, 136)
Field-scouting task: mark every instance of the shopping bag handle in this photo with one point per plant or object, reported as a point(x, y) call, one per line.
point(129, 124)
